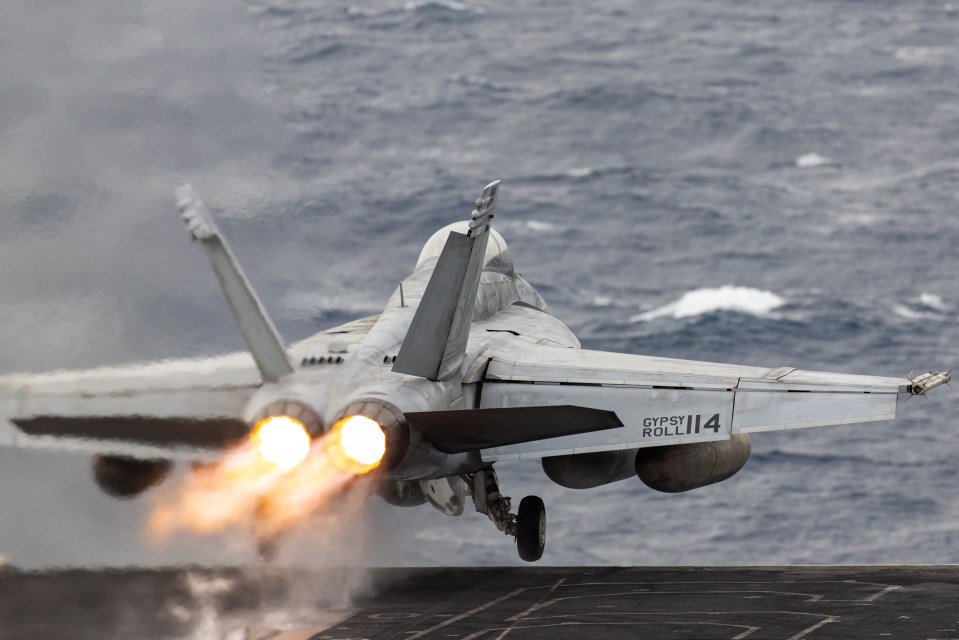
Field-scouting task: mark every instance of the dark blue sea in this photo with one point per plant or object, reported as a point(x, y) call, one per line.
point(770, 183)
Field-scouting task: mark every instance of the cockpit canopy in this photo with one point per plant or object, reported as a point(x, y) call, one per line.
point(497, 253)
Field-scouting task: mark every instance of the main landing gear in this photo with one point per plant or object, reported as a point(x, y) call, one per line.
point(528, 525)
point(531, 528)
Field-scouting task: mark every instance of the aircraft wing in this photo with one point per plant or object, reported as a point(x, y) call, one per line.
point(168, 407)
point(662, 401)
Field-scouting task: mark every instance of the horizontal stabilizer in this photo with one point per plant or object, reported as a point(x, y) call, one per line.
point(186, 432)
point(187, 409)
point(475, 429)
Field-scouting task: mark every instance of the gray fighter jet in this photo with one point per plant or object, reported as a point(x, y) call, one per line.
point(465, 368)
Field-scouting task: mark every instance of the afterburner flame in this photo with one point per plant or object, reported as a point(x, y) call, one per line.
point(216, 495)
point(276, 479)
point(361, 442)
point(282, 441)
point(337, 464)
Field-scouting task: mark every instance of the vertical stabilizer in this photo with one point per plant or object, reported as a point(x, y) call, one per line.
point(436, 342)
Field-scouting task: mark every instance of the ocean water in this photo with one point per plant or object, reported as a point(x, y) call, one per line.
point(760, 183)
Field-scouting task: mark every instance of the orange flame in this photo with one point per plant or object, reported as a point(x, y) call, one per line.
point(353, 447)
point(361, 443)
point(282, 440)
point(216, 495)
point(275, 478)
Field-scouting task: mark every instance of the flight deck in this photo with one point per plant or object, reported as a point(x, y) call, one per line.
point(269, 603)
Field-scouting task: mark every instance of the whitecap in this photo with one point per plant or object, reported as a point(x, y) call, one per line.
point(709, 300)
point(932, 301)
point(928, 306)
point(602, 301)
point(905, 312)
point(913, 54)
point(812, 160)
point(540, 225)
point(451, 5)
point(476, 81)
point(580, 172)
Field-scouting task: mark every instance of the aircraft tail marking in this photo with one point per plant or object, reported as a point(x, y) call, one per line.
point(435, 344)
point(258, 330)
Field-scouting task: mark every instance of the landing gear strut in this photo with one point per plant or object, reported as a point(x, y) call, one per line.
point(528, 525)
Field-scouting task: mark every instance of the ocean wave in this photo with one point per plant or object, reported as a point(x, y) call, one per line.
point(540, 225)
point(449, 5)
point(903, 311)
point(524, 227)
point(813, 160)
point(928, 306)
point(932, 301)
point(473, 80)
point(923, 55)
point(710, 300)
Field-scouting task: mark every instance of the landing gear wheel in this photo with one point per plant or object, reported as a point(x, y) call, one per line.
point(531, 528)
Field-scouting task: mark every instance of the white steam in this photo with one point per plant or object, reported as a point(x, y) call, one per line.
point(331, 573)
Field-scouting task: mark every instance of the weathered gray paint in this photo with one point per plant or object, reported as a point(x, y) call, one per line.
point(678, 468)
point(431, 344)
point(590, 470)
point(436, 341)
point(516, 355)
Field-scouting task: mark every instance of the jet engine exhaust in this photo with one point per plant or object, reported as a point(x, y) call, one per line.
point(409, 454)
point(216, 495)
point(361, 441)
point(277, 478)
point(337, 465)
point(282, 440)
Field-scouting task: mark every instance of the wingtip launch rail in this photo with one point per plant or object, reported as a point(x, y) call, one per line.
point(926, 382)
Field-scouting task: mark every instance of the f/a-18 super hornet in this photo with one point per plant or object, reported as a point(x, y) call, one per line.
point(465, 368)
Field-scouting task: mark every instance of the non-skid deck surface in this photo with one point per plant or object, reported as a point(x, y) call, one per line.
point(268, 603)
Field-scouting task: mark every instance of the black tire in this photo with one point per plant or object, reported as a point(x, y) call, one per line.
point(531, 528)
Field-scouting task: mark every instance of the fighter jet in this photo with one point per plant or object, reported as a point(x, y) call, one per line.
point(465, 368)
